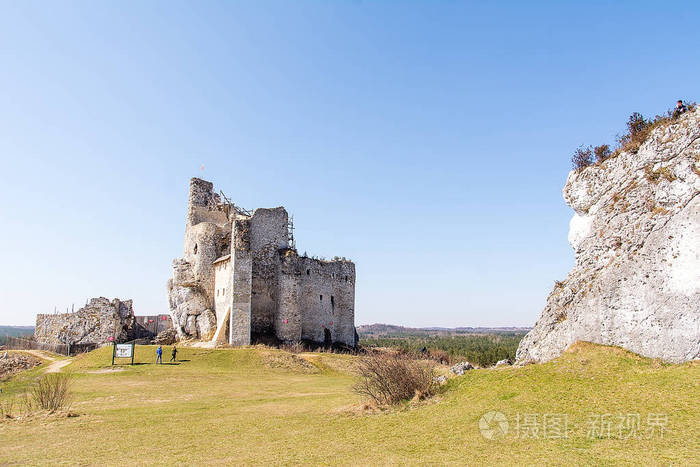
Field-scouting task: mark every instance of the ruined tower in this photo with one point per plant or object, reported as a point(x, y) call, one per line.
point(240, 276)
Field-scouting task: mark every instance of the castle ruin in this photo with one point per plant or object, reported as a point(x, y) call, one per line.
point(240, 277)
point(100, 321)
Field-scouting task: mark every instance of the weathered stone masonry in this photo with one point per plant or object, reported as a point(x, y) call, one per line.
point(98, 322)
point(240, 276)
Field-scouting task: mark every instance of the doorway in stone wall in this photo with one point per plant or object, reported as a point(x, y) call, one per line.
point(327, 337)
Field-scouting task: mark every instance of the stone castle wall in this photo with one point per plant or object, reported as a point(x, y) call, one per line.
point(240, 325)
point(316, 296)
point(268, 234)
point(95, 323)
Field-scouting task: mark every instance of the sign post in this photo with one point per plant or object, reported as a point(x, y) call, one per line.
point(123, 351)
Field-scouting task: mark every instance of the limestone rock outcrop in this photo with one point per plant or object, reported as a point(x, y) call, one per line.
point(167, 337)
point(207, 237)
point(96, 323)
point(636, 238)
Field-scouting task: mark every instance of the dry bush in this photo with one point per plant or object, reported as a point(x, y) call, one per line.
point(391, 378)
point(602, 152)
point(7, 407)
point(53, 391)
point(294, 347)
point(440, 356)
point(638, 129)
point(637, 132)
point(582, 158)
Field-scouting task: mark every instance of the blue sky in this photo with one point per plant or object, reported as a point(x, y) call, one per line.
point(427, 141)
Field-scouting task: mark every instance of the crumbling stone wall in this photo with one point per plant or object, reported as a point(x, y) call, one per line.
point(95, 323)
point(316, 298)
point(328, 300)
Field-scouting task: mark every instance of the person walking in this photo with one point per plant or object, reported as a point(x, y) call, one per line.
point(159, 355)
point(174, 354)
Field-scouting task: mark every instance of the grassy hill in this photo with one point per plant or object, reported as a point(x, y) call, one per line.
point(256, 405)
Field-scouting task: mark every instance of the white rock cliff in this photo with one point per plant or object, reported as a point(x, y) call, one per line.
point(636, 238)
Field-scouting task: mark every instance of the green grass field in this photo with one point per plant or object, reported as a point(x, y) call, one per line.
point(262, 406)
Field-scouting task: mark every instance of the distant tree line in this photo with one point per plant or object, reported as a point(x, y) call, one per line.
point(483, 350)
point(14, 331)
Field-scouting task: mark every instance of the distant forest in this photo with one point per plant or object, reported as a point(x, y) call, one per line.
point(14, 331)
point(391, 330)
point(481, 346)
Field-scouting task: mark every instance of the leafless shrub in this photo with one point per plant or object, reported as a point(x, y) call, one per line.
point(53, 391)
point(638, 129)
point(26, 404)
point(7, 407)
point(582, 158)
point(293, 347)
point(602, 152)
point(390, 378)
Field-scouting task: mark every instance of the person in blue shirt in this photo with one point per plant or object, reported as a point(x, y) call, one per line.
point(159, 355)
point(681, 108)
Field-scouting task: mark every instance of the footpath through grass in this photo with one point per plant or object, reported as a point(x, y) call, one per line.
point(262, 406)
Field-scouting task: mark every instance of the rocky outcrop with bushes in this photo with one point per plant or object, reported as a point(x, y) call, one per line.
point(636, 238)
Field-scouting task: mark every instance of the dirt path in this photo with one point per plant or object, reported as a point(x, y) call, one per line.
point(55, 365)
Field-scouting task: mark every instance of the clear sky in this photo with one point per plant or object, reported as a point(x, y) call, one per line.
point(427, 141)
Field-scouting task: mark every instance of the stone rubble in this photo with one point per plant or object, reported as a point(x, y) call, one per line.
point(460, 368)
